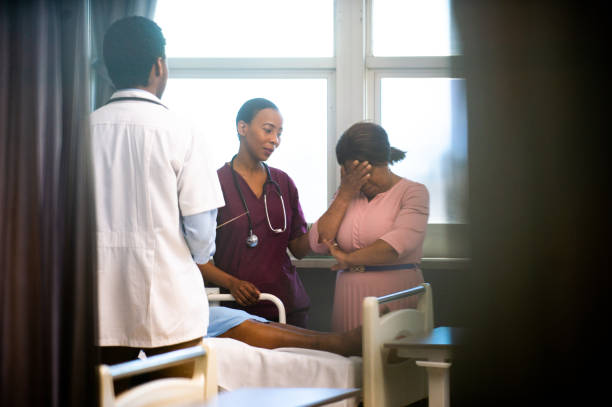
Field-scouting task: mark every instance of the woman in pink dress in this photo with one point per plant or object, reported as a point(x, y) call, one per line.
point(375, 227)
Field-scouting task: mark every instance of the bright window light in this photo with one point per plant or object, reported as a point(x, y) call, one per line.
point(411, 28)
point(426, 117)
point(213, 104)
point(247, 28)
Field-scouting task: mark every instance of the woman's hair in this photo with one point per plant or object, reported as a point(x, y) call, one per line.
point(367, 141)
point(251, 107)
point(131, 47)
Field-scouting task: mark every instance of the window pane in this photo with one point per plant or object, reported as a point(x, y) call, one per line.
point(247, 28)
point(426, 117)
point(411, 28)
point(214, 103)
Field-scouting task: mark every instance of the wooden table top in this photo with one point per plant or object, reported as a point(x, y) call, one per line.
point(439, 338)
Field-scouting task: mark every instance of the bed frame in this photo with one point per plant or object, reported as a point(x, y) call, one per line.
point(386, 380)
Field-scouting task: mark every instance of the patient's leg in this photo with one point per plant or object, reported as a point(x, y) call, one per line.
point(274, 335)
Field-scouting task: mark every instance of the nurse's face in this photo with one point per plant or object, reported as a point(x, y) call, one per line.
point(262, 136)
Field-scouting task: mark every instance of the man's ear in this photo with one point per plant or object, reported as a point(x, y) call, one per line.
point(156, 70)
point(158, 66)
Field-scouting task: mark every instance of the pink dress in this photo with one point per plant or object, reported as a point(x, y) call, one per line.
point(397, 216)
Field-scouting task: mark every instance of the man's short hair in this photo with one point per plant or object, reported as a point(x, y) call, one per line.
point(131, 47)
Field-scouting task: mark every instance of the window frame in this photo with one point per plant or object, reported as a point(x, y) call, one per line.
point(444, 241)
point(353, 77)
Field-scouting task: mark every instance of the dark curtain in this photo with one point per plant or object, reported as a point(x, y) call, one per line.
point(47, 230)
point(103, 14)
point(538, 101)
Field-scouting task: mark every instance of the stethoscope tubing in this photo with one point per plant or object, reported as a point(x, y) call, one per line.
point(279, 230)
point(252, 239)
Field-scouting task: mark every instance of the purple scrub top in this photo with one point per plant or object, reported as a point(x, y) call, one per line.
point(267, 265)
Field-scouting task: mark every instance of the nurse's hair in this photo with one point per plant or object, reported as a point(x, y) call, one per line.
point(367, 141)
point(250, 108)
point(130, 48)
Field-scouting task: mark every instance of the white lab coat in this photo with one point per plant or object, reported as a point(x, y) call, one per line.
point(150, 167)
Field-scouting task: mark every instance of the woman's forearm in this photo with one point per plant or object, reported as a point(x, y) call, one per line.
point(379, 252)
point(329, 223)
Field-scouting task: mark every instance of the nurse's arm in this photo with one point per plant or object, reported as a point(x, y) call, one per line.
point(300, 246)
point(243, 291)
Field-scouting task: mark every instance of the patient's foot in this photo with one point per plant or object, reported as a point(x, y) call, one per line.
point(353, 342)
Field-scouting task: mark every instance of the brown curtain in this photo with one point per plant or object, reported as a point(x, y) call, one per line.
point(538, 101)
point(103, 14)
point(47, 230)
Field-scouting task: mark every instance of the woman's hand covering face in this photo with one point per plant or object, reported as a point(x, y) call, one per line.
point(353, 176)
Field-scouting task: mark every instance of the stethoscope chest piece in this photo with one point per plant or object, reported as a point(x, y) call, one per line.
point(252, 240)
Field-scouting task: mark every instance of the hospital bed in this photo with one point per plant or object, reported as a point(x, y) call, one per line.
point(385, 379)
point(225, 364)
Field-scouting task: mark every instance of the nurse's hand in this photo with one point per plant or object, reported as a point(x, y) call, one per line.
point(244, 292)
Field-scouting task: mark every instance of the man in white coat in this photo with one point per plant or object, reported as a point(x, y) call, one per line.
point(156, 203)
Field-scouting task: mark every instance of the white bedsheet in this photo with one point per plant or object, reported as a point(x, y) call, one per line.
point(241, 365)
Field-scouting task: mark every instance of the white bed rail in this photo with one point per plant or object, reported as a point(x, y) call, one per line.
point(163, 391)
point(262, 297)
point(401, 294)
point(157, 362)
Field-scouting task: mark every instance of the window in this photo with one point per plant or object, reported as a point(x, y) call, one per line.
point(411, 28)
point(328, 64)
point(425, 117)
point(419, 98)
point(247, 28)
point(222, 53)
point(302, 152)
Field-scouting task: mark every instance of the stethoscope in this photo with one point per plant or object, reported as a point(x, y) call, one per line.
point(252, 240)
point(121, 99)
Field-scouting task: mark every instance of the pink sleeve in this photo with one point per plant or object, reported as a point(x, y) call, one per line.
point(313, 237)
point(408, 231)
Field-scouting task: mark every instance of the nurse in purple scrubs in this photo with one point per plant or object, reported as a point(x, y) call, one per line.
point(262, 218)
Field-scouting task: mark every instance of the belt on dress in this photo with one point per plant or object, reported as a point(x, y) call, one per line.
point(384, 267)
